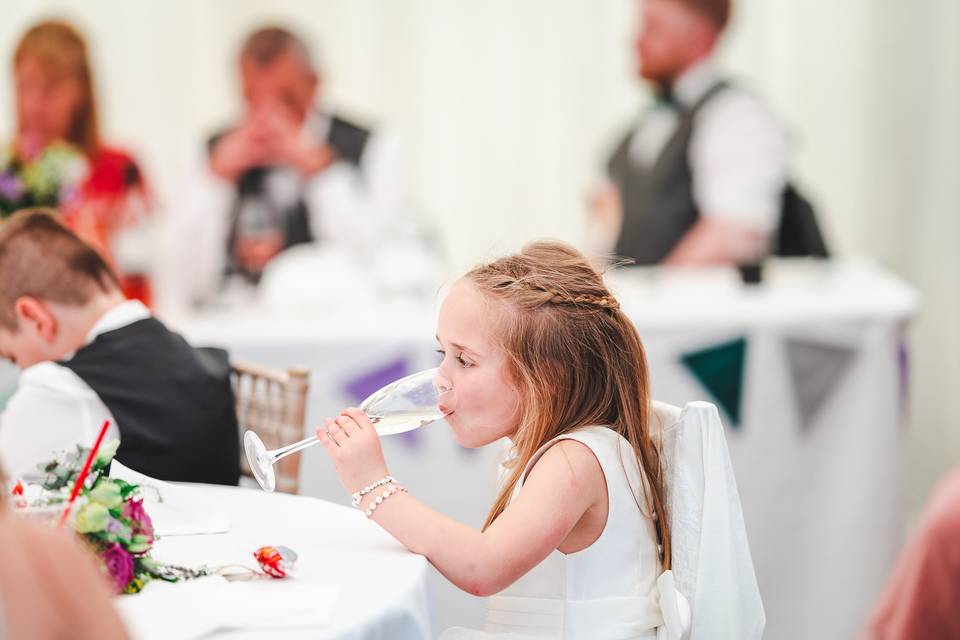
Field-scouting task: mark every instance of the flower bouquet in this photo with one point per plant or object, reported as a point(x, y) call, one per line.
point(53, 179)
point(108, 514)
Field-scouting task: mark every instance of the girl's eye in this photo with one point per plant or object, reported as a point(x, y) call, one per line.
point(459, 358)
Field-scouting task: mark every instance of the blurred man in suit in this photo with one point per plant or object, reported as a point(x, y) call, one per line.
point(287, 173)
point(700, 178)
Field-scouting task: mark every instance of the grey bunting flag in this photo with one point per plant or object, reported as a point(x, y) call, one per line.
point(817, 368)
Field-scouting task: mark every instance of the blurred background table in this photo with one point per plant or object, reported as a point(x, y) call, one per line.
point(352, 581)
point(808, 367)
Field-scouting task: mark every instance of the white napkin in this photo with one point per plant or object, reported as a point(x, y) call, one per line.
point(194, 608)
point(175, 510)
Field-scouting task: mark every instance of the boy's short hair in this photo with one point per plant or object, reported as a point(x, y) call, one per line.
point(41, 258)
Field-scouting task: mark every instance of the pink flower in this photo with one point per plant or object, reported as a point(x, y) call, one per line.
point(133, 510)
point(140, 522)
point(120, 565)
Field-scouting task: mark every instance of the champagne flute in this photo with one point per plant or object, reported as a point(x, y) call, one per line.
point(403, 405)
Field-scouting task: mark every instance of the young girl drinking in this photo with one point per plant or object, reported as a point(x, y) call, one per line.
point(536, 349)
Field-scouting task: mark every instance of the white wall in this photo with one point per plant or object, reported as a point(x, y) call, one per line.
point(508, 109)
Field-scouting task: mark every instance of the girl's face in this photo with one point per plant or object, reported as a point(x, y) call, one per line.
point(481, 404)
point(45, 103)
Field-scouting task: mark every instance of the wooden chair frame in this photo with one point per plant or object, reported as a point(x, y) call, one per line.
point(272, 403)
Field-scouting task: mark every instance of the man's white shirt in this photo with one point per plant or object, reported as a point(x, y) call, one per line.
point(53, 409)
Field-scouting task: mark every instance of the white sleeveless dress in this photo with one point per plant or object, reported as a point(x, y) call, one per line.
point(612, 590)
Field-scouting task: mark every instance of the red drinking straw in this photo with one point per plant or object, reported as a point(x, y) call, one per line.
point(83, 474)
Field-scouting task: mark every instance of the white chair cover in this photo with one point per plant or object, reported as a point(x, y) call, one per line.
point(711, 560)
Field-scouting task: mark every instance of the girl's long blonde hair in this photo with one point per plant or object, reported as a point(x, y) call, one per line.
point(575, 358)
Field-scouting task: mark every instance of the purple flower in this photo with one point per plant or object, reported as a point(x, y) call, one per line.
point(115, 526)
point(10, 186)
point(120, 565)
point(140, 522)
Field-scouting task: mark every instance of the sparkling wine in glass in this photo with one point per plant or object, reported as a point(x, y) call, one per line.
point(403, 405)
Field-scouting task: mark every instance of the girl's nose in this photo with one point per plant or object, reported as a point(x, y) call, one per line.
point(442, 384)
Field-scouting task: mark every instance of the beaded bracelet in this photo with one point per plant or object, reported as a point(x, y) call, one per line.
point(393, 490)
point(358, 496)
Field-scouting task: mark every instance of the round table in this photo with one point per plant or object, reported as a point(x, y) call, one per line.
point(364, 583)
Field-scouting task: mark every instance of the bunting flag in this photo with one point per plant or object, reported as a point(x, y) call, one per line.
point(362, 386)
point(720, 370)
point(816, 368)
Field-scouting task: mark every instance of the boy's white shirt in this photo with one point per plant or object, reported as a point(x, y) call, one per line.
point(53, 409)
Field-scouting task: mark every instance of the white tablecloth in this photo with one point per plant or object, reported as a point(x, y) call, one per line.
point(352, 581)
point(822, 497)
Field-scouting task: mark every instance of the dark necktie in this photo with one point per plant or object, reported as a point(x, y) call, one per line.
point(665, 97)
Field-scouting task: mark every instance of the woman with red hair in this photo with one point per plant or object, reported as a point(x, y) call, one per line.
point(57, 158)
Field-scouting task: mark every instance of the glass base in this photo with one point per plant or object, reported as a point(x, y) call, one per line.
point(259, 460)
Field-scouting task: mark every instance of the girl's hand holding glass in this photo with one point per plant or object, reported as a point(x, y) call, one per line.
point(405, 404)
point(354, 448)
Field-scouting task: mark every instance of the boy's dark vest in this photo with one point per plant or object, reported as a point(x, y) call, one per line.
point(173, 404)
point(659, 207)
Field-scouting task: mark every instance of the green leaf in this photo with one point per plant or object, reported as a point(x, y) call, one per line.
point(126, 489)
point(149, 565)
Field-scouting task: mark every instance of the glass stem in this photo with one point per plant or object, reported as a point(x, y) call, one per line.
point(283, 452)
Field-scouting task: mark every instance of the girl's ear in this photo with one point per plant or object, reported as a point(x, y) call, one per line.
point(36, 316)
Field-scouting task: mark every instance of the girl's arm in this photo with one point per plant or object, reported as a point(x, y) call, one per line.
point(561, 487)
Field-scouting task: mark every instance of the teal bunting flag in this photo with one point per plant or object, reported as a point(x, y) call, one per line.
point(720, 370)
